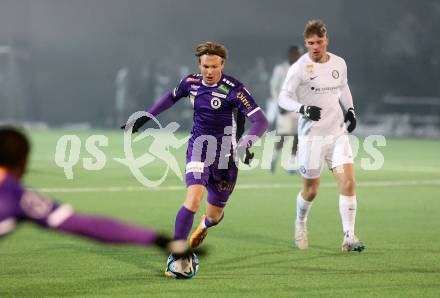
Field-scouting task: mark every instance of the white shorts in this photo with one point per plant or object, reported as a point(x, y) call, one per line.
point(287, 124)
point(314, 150)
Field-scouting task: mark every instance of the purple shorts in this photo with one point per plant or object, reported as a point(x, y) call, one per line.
point(219, 182)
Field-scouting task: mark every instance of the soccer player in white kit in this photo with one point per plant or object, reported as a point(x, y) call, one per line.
point(316, 87)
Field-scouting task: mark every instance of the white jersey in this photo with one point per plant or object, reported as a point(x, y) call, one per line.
point(318, 84)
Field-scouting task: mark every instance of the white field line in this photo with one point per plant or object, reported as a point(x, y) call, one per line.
point(239, 186)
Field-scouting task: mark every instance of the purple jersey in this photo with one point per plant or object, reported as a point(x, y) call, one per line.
point(216, 107)
point(18, 204)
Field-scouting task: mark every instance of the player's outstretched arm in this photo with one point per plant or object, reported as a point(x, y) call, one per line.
point(113, 231)
point(164, 103)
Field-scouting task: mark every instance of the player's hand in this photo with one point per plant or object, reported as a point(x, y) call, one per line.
point(163, 241)
point(311, 112)
point(350, 116)
point(138, 123)
point(244, 154)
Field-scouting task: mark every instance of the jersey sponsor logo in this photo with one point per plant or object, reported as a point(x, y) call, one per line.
point(216, 103)
point(216, 94)
point(228, 82)
point(335, 74)
point(189, 80)
point(242, 97)
point(195, 87)
point(35, 205)
point(325, 90)
point(309, 68)
point(224, 88)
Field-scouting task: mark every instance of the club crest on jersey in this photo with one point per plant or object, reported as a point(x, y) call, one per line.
point(335, 74)
point(309, 68)
point(216, 103)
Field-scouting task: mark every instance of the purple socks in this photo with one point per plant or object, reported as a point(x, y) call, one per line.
point(183, 225)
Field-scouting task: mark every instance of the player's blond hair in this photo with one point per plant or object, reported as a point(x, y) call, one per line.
point(211, 48)
point(315, 27)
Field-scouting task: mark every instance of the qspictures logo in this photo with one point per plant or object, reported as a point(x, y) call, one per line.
point(207, 151)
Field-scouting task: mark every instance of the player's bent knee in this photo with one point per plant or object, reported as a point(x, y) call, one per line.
point(193, 203)
point(310, 194)
point(349, 186)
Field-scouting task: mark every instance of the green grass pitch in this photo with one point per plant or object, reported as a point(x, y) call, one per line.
point(251, 253)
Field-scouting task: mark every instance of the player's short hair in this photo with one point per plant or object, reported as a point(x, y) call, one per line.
point(315, 27)
point(211, 48)
point(14, 148)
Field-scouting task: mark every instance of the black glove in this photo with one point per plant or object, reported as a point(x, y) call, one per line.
point(245, 155)
point(163, 241)
point(350, 116)
point(311, 112)
point(138, 123)
point(178, 248)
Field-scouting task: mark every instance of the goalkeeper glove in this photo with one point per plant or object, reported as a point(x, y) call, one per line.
point(350, 116)
point(138, 123)
point(311, 112)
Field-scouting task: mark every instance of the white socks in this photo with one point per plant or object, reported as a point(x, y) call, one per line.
point(302, 209)
point(347, 209)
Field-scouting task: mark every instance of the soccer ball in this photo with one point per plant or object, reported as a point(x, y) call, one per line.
point(183, 268)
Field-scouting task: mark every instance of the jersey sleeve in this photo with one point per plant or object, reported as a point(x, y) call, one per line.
point(346, 98)
point(288, 99)
point(42, 210)
point(182, 89)
point(244, 101)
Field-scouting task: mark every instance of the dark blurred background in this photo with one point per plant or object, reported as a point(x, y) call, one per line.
point(91, 63)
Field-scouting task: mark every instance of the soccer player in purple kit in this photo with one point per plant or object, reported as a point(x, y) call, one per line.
point(19, 204)
point(221, 105)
